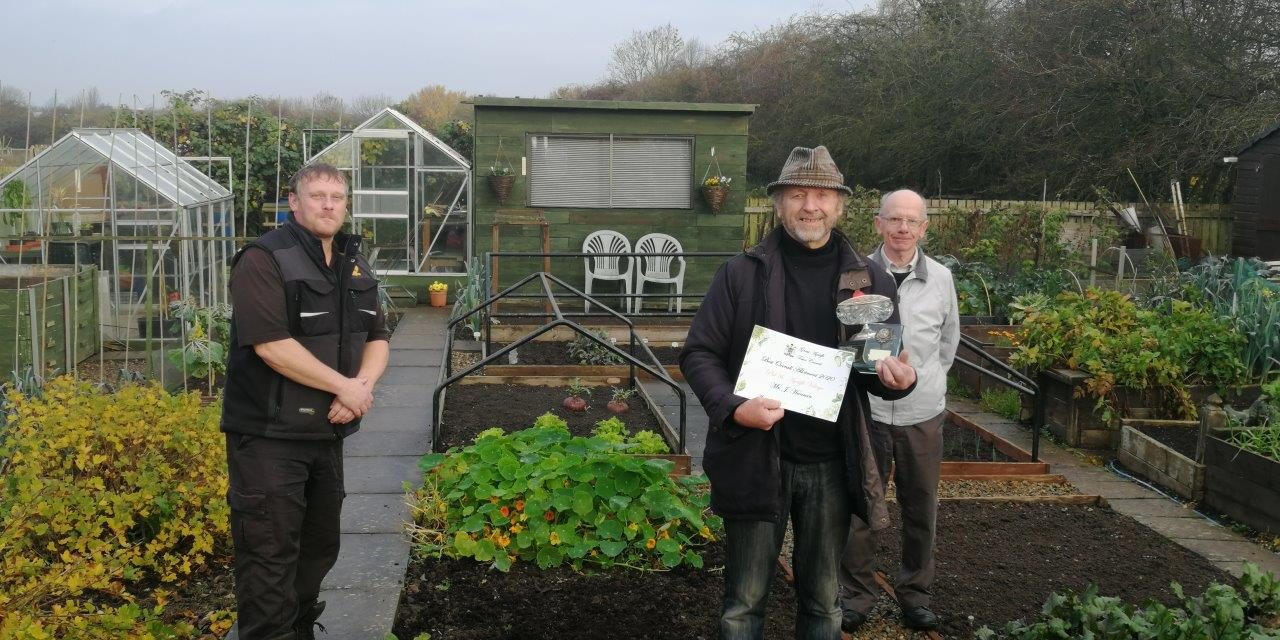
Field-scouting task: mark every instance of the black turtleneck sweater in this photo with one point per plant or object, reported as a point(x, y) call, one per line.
point(811, 279)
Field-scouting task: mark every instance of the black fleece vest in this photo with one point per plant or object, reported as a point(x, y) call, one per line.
point(330, 314)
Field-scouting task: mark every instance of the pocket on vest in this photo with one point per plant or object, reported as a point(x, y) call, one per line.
point(317, 311)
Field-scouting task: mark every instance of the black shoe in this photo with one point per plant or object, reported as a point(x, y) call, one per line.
point(306, 623)
point(920, 618)
point(851, 620)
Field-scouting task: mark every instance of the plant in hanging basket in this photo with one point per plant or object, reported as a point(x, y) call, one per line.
point(714, 190)
point(501, 180)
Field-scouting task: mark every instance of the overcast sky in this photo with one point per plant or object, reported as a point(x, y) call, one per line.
point(348, 48)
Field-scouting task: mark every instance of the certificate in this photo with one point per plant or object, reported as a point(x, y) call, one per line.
point(805, 377)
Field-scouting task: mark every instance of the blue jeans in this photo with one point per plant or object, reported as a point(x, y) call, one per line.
point(816, 499)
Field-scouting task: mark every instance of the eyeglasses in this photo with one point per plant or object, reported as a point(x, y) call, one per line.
point(910, 223)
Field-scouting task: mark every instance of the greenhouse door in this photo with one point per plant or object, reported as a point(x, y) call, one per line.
point(380, 198)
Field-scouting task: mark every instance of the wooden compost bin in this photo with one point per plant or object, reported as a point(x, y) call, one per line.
point(1159, 463)
point(1241, 484)
point(48, 317)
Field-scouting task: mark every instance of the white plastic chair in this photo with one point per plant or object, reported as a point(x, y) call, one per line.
point(608, 267)
point(658, 269)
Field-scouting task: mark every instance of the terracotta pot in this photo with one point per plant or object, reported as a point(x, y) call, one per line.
point(439, 298)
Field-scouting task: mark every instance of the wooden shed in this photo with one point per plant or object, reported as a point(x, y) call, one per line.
point(586, 165)
point(1257, 198)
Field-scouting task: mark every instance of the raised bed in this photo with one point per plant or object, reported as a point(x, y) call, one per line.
point(1001, 458)
point(476, 403)
point(1241, 484)
point(982, 579)
point(1163, 451)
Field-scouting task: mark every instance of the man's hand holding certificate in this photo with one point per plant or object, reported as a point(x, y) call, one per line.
point(802, 376)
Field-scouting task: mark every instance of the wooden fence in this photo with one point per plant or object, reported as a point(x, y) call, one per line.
point(1210, 223)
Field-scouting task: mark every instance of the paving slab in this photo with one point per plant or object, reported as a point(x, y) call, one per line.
point(1188, 527)
point(425, 357)
point(386, 442)
point(374, 513)
point(1147, 507)
point(383, 419)
point(369, 561)
point(1240, 550)
point(1117, 489)
point(403, 395)
point(383, 474)
point(410, 375)
point(359, 614)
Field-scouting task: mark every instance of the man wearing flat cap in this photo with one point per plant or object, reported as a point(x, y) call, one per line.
point(766, 464)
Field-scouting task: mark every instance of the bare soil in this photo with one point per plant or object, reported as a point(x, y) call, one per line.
point(996, 562)
point(964, 445)
point(472, 408)
point(1180, 439)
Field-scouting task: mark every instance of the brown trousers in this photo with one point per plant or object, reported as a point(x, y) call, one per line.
point(915, 454)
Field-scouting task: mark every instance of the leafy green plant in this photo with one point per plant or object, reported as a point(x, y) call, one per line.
point(1220, 612)
point(611, 430)
point(551, 420)
point(540, 495)
point(647, 443)
point(201, 356)
point(1003, 402)
point(621, 394)
point(1237, 289)
point(472, 294)
point(1122, 346)
point(585, 351)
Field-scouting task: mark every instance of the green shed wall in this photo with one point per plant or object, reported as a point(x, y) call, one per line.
point(696, 228)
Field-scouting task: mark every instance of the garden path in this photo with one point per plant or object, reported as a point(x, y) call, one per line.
point(363, 589)
point(668, 404)
point(1223, 547)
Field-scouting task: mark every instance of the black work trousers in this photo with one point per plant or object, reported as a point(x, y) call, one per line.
point(286, 503)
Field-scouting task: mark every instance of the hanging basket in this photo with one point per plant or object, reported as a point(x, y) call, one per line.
point(715, 197)
point(501, 187)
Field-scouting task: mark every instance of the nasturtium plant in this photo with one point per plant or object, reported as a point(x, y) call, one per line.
point(543, 496)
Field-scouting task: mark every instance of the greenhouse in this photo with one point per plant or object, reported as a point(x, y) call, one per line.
point(410, 195)
point(157, 228)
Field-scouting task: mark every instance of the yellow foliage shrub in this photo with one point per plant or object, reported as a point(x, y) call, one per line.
point(106, 497)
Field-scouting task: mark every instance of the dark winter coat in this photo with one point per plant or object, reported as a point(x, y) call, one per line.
point(743, 464)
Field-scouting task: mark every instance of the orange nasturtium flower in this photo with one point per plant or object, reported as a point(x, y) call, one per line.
point(515, 528)
point(519, 505)
point(650, 543)
point(502, 540)
point(505, 511)
point(554, 538)
point(549, 515)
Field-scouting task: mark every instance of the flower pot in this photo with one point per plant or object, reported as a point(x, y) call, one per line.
point(501, 187)
point(439, 298)
point(715, 197)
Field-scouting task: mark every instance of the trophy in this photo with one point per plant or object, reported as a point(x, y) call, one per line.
point(874, 339)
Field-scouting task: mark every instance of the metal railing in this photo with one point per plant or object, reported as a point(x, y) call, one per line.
point(653, 367)
point(1013, 379)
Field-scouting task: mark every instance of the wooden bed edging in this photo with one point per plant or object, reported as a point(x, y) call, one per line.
point(1003, 446)
point(962, 469)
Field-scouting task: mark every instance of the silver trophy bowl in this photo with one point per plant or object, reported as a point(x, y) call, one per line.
point(861, 310)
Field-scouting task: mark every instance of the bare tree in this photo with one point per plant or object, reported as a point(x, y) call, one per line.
point(648, 53)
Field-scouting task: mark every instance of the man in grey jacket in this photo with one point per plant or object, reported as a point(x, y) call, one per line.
point(906, 434)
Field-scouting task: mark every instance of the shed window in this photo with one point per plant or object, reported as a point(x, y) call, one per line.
point(611, 172)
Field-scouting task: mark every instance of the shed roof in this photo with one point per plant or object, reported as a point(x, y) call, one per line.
point(128, 150)
point(1259, 138)
point(613, 105)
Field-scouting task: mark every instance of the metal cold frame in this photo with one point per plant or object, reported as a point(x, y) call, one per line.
point(411, 195)
point(116, 198)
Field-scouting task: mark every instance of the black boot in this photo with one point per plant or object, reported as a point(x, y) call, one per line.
point(308, 615)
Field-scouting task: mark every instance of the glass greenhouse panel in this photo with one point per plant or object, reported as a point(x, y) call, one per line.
point(386, 241)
